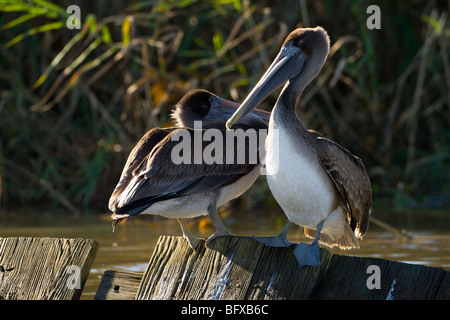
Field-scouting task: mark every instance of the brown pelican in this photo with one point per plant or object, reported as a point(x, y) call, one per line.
point(151, 183)
point(319, 184)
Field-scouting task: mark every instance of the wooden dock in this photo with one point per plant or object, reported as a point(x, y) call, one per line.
point(231, 268)
point(44, 268)
point(240, 268)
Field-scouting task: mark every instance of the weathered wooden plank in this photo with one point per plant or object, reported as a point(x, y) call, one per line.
point(226, 269)
point(230, 268)
point(279, 276)
point(169, 269)
point(443, 292)
point(176, 271)
point(242, 268)
point(44, 268)
point(118, 285)
point(347, 277)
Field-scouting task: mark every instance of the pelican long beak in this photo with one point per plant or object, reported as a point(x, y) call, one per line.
point(220, 107)
point(288, 64)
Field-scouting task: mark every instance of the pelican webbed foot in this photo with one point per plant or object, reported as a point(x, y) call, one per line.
point(309, 254)
point(279, 241)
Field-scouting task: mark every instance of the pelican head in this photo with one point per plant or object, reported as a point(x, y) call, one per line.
point(300, 59)
point(213, 111)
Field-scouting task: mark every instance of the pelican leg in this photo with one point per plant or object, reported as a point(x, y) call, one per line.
point(221, 230)
point(309, 254)
point(191, 239)
point(277, 241)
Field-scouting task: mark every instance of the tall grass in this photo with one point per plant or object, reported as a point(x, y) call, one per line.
point(74, 102)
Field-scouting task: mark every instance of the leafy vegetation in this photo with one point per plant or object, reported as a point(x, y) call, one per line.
point(74, 101)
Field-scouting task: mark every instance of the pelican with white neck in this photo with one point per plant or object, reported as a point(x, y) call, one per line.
point(320, 185)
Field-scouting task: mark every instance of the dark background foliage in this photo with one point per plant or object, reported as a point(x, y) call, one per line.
point(74, 102)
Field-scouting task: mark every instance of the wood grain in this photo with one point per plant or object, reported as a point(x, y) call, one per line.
point(44, 268)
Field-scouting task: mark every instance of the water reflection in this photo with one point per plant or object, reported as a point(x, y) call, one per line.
point(130, 247)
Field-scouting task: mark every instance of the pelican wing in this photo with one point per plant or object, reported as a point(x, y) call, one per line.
point(351, 180)
point(145, 145)
point(157, 177)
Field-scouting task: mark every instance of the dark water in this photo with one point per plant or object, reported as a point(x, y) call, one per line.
point(131, 245)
